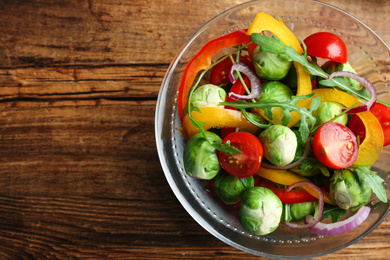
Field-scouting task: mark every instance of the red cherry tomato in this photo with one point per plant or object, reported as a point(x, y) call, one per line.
point(335, 146)
point(382, 113)
point(326, 46)
point(248, 162)
point(220, 73)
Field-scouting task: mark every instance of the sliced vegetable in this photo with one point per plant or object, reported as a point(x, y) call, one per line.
point(382, 113)
point(248, 162)
point(326, 45)
point(348, 190)
point(280, 144)
point(320, 206)
point(290, 197)
point(219, 74)
point(335, 146)
point(288, 178)
point(371, 148)
point(216, 117)
point(342, 226)
point(239, 89)
point(202, 60)
point(254, 80)
point(363, 81)
point(293, 164)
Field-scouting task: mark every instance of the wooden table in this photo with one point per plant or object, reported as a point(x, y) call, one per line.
point(79, 173)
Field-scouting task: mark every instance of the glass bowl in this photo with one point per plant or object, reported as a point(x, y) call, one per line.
point(368, 54)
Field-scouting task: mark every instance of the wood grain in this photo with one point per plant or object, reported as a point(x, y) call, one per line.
point(79, 174)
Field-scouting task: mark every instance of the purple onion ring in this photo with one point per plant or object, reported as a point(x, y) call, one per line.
point(363, 81)
point(255, 81)
point(342, 226)
point(320, 206)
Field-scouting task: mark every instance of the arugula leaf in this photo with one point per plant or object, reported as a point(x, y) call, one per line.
point(276, 46)
point(287, 106)
point(333, 212)
point(372, 180)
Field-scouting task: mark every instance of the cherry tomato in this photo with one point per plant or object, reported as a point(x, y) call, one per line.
point(239, 89)
point(382, 113)
point(326, 45)
point(220, 73)
point(248, 162)
point(335, 145)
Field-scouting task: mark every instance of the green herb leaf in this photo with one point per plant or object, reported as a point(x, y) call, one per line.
point(287, 106)
point(372, 180)
point(333, 212)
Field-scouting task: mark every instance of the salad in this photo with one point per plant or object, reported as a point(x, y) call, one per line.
point(283, 128)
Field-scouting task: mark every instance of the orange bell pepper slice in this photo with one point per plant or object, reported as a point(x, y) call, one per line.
point(265, 22)
point(371, 148)
point(217, 117)
point(288, 178)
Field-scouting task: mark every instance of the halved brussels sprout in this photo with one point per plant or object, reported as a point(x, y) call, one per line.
point(279, 144)
point(347, 191)
point(208, 95)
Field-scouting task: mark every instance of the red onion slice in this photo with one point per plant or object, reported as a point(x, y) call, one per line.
point(255, 81)
point(342, 226)
point(320, 206)
point(291, 165)
point(363, 81)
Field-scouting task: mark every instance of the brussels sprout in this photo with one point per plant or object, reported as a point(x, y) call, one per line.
point(299, 210)
point(275, 90)
point(279, 144)
point(200, 158)
point(229, 188)
point(270, 66)
point(332, 66)
point(260, 211)
point(208, 95)
point(347, 191)
point(328, 110)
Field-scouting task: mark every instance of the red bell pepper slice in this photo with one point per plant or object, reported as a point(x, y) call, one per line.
point(202, 61)
point(293, 196)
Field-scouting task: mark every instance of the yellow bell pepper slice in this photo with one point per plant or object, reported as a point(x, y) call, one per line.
point(265, 22)
point(217, 117)
point(371, 148)
point(288, 178)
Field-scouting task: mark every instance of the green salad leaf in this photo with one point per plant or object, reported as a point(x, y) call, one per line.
point(288, 106)
point(334, 212)
point(372, 180)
